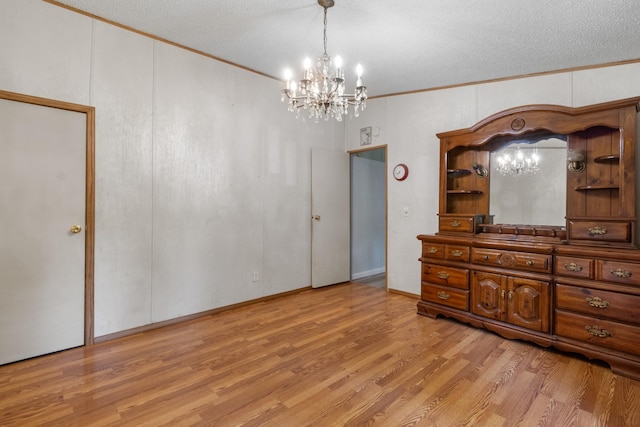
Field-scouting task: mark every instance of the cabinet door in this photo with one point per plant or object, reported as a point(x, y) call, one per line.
point(488, 294)
point(528, 304)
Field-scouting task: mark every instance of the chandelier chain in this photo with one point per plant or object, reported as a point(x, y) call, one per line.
point(325, 31)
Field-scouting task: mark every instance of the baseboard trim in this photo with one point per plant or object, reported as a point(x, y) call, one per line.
point(360, 275)
point(188, 317)
point(406, 294)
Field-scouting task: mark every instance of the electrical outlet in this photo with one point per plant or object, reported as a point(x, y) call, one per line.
point(255, 276)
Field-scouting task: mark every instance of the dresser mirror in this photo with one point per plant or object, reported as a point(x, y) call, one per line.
point(528, 181)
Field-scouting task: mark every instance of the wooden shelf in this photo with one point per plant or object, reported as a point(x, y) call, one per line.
point(607, 159)
point(597, 187)
point(455, 173)
point(464, 192)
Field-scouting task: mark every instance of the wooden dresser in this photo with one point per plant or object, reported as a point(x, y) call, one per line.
point(574, 285)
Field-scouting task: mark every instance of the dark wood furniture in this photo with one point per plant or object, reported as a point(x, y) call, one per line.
point(574, 286)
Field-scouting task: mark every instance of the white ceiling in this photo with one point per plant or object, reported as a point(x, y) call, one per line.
point(403, 45)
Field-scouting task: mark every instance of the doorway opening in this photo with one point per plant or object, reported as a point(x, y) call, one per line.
point(369, 216)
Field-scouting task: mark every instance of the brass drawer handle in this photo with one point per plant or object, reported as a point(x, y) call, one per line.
point(455, 223)
point(432, 250)
point(443, 295)
point(530, 262)
point(572, 267)
point(597, 302)
point(596, 331)
point(485, 257)
point(456, 253)
point(597, 231)
point(443, 275)
point(619, 272)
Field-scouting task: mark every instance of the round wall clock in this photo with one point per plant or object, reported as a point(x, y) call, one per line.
point(400, 172)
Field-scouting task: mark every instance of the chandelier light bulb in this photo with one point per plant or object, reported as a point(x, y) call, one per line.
point(287, 77)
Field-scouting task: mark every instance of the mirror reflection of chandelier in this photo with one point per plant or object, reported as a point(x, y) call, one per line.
point(321, 90)
point(515, 162)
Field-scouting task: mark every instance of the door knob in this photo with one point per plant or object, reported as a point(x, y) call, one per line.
point(316, 217)
point(75, 229)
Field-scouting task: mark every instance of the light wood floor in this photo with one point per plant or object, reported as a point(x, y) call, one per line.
point(344, 355)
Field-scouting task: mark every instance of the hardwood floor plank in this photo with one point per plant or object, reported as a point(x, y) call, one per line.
point(346, 355)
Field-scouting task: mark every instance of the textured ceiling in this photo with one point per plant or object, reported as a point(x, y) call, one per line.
point(403, 45)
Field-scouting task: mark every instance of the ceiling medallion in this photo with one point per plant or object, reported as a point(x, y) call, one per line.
point(321, 89)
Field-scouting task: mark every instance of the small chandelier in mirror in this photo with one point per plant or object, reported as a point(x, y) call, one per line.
point(515, 162)
point(321, 90)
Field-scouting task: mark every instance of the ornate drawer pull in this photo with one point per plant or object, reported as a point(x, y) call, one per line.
point(485, 257)
point(619, 272)
point(597, 231)
point(456, 253)
point(530, 262)
point(455, 223)
point(443, 275)
point(597, 332)
point(432, 250)
point(443, 295)
point(597, 302)
point(572, 267)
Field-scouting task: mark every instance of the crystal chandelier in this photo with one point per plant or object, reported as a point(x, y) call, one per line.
point(516, 163)
point(321, 90)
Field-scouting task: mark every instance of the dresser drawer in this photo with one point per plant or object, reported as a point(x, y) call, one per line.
point(463, 224)
point(610, 305)
point(511, 259)
point(456, 253)
point(455, 298)
point(618, 272)
point(432, 250)
point(448, 276)
point(574, 267)
point(605, 333)
point(605, 231)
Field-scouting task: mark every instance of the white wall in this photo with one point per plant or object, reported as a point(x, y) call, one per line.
point(408, 126)
point(202, 176)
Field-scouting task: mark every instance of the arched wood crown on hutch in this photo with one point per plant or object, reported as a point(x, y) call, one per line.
point(605, 133)
point(574, 287)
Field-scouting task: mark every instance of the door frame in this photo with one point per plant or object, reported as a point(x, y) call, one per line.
point(89, 241)
point(386, 203)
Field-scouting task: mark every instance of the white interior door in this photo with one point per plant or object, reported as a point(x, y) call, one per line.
point(330, 198)
point(42, 261)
